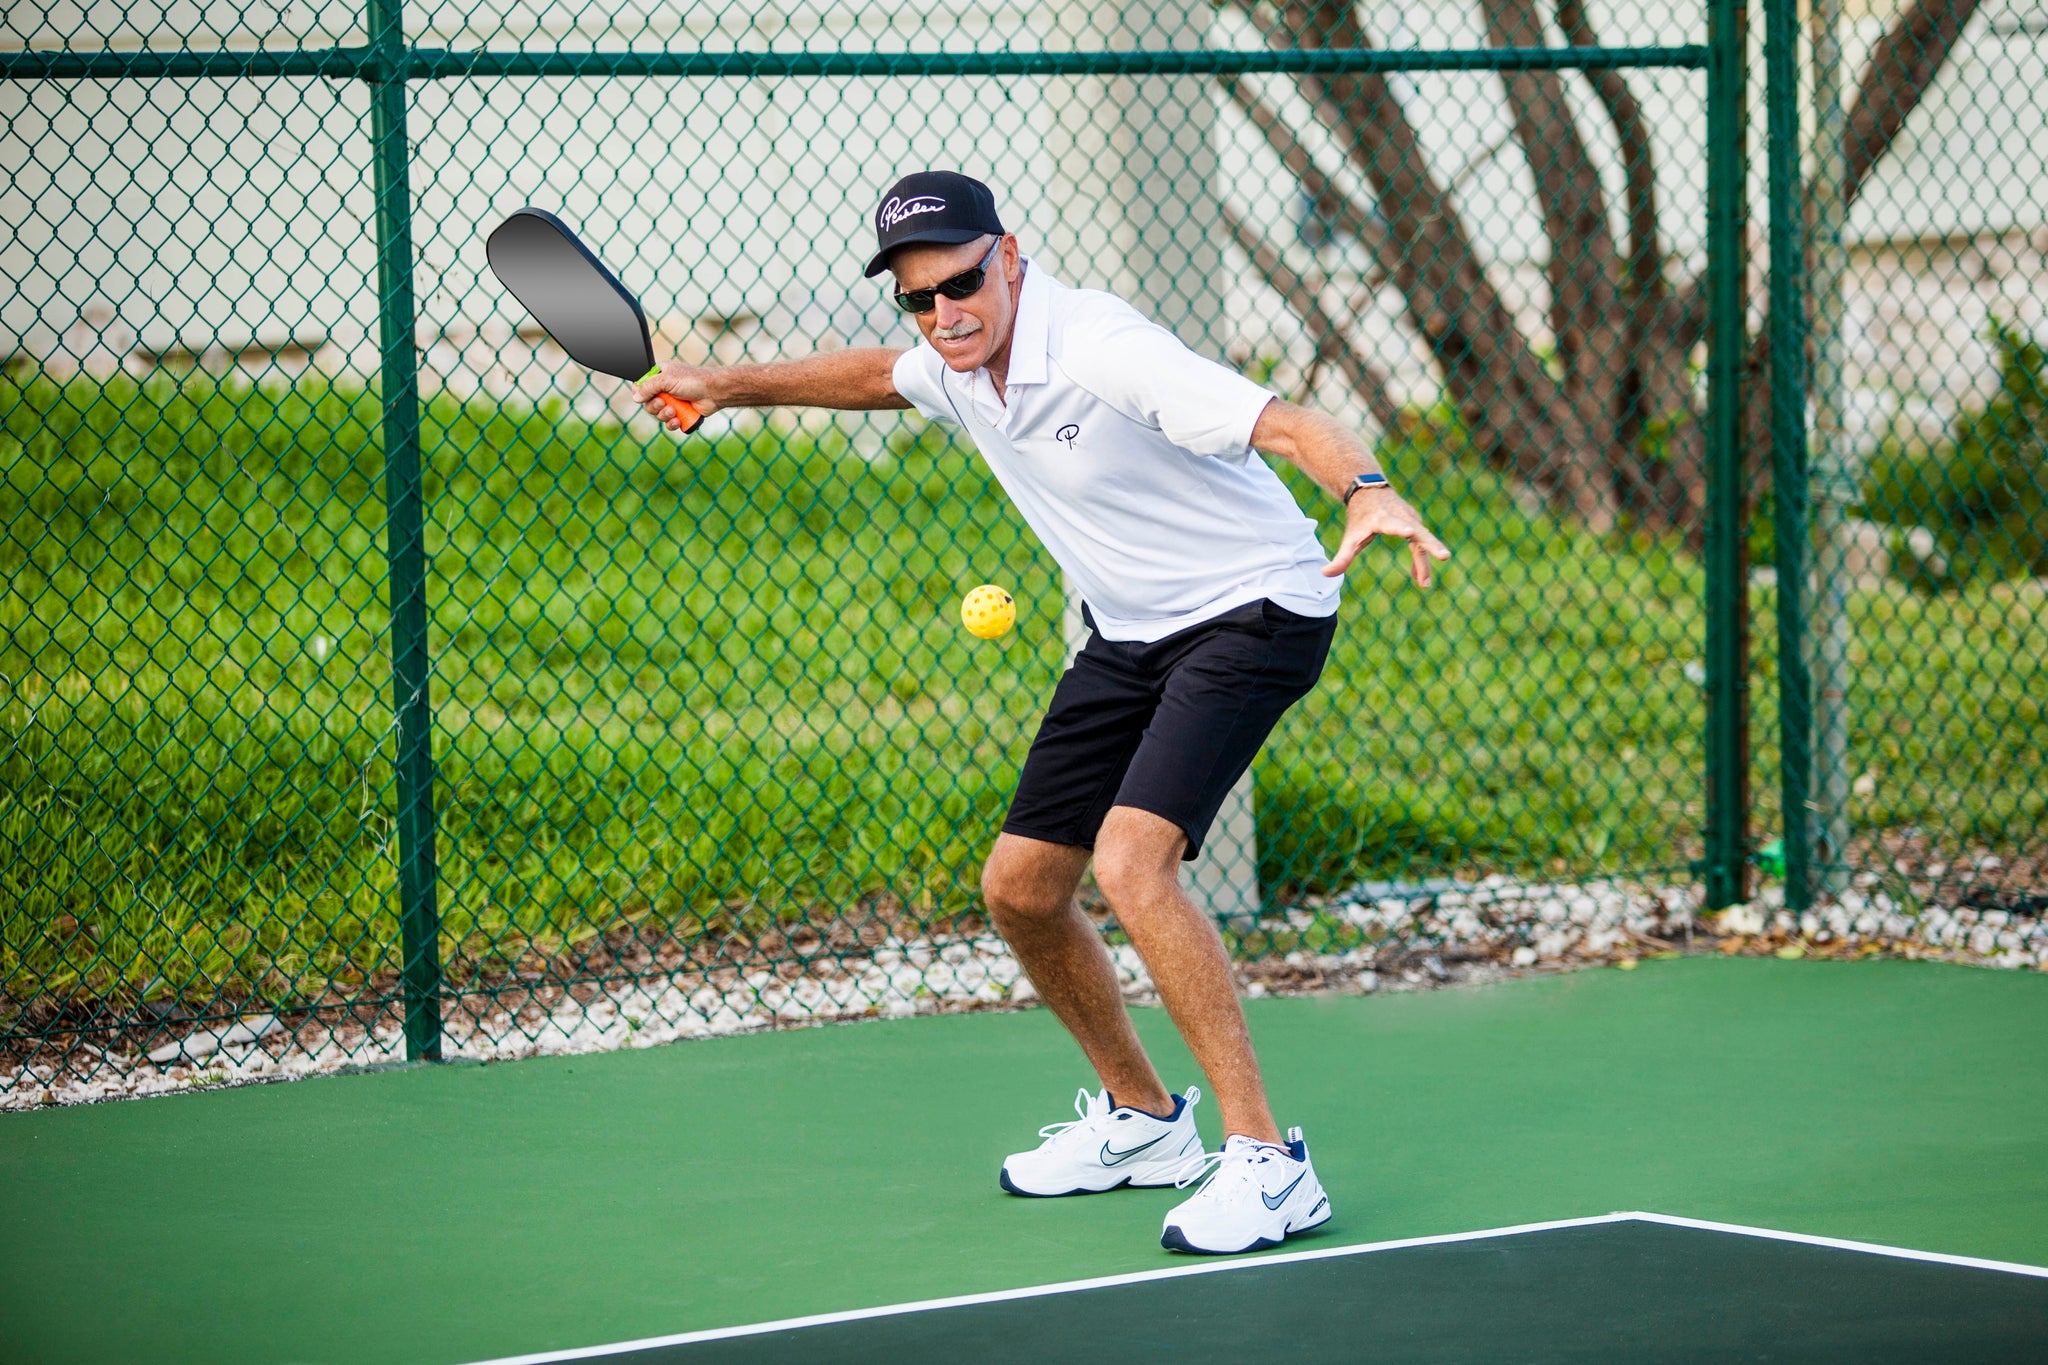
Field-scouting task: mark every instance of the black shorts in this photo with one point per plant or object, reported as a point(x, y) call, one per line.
point(1167, 727)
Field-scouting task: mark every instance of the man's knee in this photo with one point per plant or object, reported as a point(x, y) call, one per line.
point(1137, 854)
point(1018, 887)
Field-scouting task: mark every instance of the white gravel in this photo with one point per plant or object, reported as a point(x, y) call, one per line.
point(901, 979)
point(1413, 936)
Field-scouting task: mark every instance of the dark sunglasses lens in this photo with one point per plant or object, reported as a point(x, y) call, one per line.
point(963, 285)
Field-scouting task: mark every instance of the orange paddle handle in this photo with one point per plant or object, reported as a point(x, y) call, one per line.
point(683, 411)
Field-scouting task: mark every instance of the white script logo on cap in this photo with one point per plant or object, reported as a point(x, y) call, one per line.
point(896, 210)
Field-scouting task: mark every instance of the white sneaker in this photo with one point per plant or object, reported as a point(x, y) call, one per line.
point(1106, 1148)
point(1257, 1195)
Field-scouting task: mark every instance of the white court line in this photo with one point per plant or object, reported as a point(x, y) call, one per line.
point(1841, 1244)
point(1039, 1290)
point(1250, 1263)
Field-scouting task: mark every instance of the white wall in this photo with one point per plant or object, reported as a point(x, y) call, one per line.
point(235, 214)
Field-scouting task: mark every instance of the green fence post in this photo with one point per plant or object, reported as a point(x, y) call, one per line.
point(1727, 588)
point(404, 544)
point(1788, 439)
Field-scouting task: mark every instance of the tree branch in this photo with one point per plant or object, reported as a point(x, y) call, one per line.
point(1331, 202)
point(1332, 342)
point(1902, 65)
point(1638, 160)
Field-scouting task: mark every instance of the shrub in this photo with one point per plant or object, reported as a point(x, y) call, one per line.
point(1982, 495)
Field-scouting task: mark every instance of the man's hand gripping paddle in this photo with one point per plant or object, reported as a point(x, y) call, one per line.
point(581, 304)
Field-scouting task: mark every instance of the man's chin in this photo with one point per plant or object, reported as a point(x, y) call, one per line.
point(962, 359)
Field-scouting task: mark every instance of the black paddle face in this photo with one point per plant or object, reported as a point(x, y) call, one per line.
point(569, 292)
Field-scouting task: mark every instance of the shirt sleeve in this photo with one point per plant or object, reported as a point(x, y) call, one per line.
point(918, 377)
point(1147, 373)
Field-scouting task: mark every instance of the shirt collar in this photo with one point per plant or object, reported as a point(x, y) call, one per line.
point(1033, 324)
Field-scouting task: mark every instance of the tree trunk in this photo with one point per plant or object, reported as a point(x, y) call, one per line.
point(1662, 448)
point(1580, 265)
point(1515, 411)
point(1521, 418)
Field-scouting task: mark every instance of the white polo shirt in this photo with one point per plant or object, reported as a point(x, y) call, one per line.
point(1130, 456)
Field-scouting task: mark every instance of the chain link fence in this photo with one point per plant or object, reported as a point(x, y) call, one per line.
point(378, 684)
point(1904, 551)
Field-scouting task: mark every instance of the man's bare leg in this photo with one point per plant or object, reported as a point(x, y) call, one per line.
point(1029, 885)
point(1137, 864)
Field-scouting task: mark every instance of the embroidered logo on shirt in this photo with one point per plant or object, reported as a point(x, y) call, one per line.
point(897, 209)
point(1067, 433)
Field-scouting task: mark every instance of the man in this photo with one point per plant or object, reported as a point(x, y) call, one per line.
point(1211, 610)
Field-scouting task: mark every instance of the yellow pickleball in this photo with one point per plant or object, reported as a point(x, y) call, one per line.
point(988, 612)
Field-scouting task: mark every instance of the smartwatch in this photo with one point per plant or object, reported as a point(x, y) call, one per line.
point(1365, 481)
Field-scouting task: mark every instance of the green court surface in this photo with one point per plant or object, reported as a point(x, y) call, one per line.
point(465, 1212)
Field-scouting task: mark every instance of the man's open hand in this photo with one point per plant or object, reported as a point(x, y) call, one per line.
point(688, 382)
point(1381, 512)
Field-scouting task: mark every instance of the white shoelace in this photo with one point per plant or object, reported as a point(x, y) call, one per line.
point(1084, 1106)
point(1232, 1164)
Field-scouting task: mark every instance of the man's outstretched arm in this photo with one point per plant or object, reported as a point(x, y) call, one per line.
point(855, 381)
point(1330, 453)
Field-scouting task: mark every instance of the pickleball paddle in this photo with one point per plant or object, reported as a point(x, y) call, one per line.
point(583, 306)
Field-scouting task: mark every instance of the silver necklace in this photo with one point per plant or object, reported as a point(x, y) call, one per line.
point(974, 405)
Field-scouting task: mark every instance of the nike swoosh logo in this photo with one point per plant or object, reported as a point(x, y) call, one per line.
point(1274, 1201)
point(1112, 1158)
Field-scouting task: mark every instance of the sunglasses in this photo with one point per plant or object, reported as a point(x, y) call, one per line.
point(963, 285)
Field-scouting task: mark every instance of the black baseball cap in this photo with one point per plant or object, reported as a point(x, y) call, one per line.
point(932, 206)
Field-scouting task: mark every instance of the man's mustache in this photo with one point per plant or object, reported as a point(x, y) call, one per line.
point(960, 330)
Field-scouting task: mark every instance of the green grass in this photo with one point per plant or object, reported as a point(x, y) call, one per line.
point(702, 685)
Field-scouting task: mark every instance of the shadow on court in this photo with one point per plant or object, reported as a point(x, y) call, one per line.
point(1621, 1291)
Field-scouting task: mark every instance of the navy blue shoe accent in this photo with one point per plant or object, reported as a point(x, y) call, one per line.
point(1003, 1179)
point(1180, 1102)
point(1174, 1240)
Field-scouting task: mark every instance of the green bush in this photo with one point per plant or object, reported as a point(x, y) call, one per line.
point(1982, 495)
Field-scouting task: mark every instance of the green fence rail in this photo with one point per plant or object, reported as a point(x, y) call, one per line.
point(376, 684)
point(415, 63)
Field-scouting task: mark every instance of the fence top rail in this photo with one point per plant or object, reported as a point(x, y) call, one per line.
point(376, 63)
